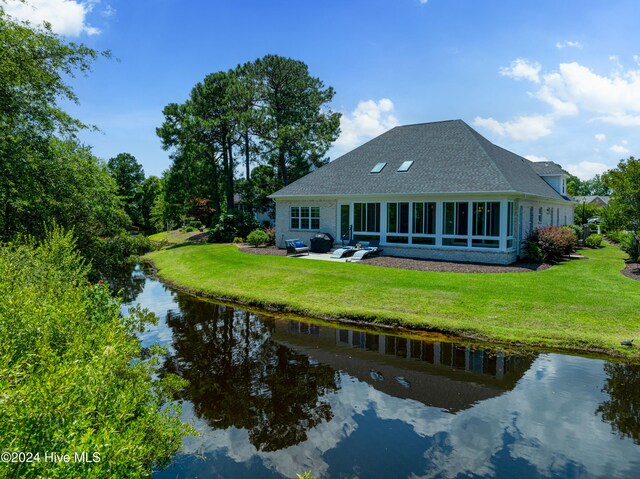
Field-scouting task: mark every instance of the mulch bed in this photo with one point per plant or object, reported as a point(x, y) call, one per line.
point(419, 264)
point(632, 270)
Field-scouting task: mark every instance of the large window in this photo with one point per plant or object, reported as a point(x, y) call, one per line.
point(424, 223)
point(304, 218)
point(485, 224)
point(366, 219)
point(398, 223)
point(510, 223)
point(455, 226)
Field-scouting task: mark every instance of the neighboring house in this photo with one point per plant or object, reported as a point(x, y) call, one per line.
point(598, 200)
point(435, 190)
point(262, 217)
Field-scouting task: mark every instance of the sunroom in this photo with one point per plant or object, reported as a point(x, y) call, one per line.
point(471, 224)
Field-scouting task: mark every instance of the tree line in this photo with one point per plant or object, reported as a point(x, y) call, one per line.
point(243, 133)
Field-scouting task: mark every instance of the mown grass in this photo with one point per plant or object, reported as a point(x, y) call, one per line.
point(585, 304)
point(174, 237)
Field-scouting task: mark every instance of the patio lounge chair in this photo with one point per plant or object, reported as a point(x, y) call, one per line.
point(295, 247)
point(345, 250)
point(372, 249)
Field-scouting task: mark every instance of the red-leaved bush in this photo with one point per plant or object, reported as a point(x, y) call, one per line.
point(552, 242)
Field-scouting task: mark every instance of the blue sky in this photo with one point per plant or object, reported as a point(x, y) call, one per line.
point(547, 79)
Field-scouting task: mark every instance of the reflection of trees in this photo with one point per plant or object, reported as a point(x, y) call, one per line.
point(239, 377)
point(622, 410)
point(121, 280)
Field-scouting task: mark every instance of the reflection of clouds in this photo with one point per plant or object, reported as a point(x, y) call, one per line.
point(547, 421)
point(158, 299)
point(539, 422)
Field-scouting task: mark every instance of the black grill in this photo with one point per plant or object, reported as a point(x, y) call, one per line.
point(321, 243)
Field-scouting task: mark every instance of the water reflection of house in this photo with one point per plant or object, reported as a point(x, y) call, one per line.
point(440, 374)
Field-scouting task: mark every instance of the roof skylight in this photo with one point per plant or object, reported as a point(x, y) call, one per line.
point(378, 168)
point(405, 166)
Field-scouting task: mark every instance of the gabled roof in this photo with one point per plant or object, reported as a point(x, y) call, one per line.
point(448, 157)
point(592, 198)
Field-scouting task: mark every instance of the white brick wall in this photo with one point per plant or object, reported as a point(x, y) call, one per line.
point(328, 218)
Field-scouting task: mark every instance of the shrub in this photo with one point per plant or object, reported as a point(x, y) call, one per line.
point(616, 236)
point(554, 242)
point(577, 230)
point(257, 237)
point(271, 233)
point(534, 253)
point(111, 255)
point(630, 245)
point(189, 229)
point(73, 375)
point(238, 240)
point(593, 241)
point(230, 225)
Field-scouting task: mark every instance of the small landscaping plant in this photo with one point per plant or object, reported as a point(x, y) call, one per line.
point(552, 242)
point(238, 240)
point(593, 241)
point(271, 233)
point(257, 237)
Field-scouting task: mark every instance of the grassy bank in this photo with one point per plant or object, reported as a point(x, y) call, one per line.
point(176, 236)
point(584, 304)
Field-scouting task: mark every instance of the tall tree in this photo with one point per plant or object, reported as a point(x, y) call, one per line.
point(297, 126)
point(128, 175)
point(35, 67)
point(624, 181)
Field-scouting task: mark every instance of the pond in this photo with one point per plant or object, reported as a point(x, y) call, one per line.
point(275, 396)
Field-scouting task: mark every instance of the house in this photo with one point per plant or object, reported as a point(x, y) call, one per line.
point(597, 200)
point(433, 190)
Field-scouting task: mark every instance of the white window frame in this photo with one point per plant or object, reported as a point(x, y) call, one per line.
point(312, 221)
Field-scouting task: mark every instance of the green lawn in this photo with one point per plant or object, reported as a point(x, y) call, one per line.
point(581, 304)
point(175, 236)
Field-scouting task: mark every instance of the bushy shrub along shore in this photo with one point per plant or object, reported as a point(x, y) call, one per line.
point(71, 381)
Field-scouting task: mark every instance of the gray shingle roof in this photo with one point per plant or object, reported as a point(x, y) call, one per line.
point(448, 156)
point(547, 168)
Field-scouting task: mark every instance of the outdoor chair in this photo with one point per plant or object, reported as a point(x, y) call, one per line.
point(372, 249)
point(296, 246)
point(345, 250)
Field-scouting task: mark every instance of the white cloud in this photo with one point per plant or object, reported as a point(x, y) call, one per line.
point(67, 17)
point(108, 11)
point(600, 137)
point(619, 149)
point(368, 120)
point(587, 169)
point(572, 89)
point(616, 97)
point(521, 68)
point(523, 128)
point(536, 158)
point(569, 44)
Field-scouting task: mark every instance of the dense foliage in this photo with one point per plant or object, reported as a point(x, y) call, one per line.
point(593, 241)
point(269, 115)
point(129, 177)
point(624, 181)
point(71, 377)
point(550, 243)
point(229, 226)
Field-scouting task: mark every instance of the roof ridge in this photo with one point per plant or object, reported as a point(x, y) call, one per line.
point(478, 137)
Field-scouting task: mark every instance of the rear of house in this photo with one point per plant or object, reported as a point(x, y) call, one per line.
point(435, 190)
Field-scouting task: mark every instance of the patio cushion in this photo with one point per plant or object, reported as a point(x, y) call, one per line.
point(298, 244)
